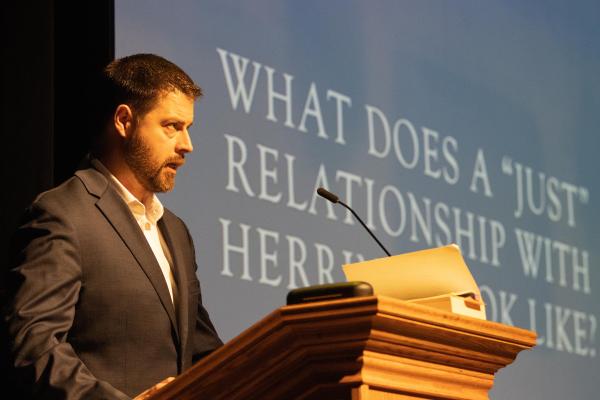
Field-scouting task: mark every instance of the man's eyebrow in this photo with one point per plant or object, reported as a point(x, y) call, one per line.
point(177, 121)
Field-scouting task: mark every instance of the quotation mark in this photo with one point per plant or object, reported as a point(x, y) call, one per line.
point(584, 195)
point(507, 166)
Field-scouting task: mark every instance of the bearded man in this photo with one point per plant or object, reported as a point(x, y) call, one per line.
point(105, 301)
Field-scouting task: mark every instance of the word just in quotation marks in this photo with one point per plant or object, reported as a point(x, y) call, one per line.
point(544, 195)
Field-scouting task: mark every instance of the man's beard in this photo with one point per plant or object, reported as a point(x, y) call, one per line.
point(151, 173)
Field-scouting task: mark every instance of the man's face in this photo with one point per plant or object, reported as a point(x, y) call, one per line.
point(160, 140)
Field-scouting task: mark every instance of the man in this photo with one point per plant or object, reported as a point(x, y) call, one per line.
point(105, 300)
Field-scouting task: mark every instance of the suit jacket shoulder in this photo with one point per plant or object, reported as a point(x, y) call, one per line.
point(90, 312)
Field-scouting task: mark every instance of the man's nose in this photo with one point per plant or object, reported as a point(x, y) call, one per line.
point(184, 144)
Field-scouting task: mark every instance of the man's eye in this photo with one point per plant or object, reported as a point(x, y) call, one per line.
point(174, 127)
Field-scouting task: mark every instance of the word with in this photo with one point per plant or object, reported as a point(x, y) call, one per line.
point(555, 257)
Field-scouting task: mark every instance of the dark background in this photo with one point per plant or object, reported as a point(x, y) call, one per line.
point(51, 53)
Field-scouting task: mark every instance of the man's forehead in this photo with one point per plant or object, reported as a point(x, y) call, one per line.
point(174, 94)
point(173, 101)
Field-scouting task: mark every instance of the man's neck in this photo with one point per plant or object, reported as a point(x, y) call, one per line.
point(125, 175)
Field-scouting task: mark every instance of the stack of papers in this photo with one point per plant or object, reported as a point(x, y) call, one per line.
point(437, 277)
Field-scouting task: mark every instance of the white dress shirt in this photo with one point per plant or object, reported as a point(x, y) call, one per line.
point(147, 216)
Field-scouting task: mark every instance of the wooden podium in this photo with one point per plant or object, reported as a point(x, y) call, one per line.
point(359, 348)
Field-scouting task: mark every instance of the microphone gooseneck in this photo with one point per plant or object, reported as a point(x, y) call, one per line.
point(335, 199)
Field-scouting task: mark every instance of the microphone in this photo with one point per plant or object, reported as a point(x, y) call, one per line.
point(335, 199)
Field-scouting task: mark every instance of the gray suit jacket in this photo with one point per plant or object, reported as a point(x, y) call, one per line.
point(90, 314)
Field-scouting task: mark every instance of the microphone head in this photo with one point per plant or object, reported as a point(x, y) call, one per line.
point(328, 195)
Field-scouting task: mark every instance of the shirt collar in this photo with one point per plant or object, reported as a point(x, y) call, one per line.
point(153, 210)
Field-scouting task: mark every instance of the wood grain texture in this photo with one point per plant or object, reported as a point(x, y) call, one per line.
point(360, 348)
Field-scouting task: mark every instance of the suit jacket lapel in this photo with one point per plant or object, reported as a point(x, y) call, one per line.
point(167, 228)
point(119, 216)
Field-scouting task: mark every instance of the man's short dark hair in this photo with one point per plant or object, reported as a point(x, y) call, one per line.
point(139, 80)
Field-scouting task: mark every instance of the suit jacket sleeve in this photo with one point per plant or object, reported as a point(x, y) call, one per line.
point(44, 281)
point(205, 338)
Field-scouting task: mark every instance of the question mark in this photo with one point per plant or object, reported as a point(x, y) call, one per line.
point(593, 325)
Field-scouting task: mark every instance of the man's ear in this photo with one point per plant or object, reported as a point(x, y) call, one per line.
point(123, 120)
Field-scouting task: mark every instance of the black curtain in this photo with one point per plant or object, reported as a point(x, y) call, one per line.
point(51, 53)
